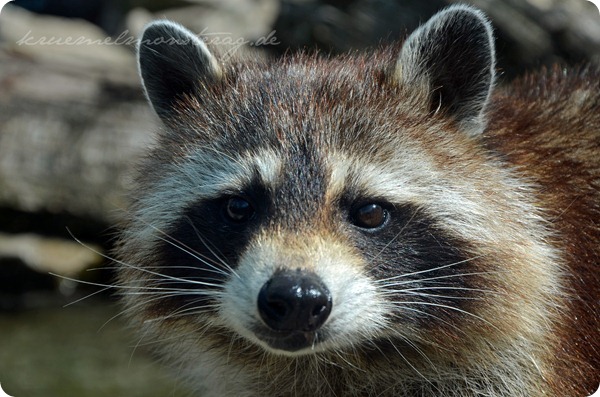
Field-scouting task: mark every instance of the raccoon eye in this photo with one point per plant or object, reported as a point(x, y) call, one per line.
point(370, 216)
point(238, 210)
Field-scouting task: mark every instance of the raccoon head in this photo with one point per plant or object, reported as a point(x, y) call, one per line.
point(314, 205)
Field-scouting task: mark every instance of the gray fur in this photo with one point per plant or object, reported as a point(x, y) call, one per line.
point(173, 62)
point(455, 295)
point(452, 59)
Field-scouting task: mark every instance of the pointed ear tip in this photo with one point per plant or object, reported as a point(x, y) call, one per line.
point(453, 15)
point(152, 31)
point(468, 11)
point(161, 27)
point(164, 28)
point(475, 18)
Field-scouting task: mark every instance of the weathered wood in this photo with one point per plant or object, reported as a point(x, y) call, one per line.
point(72, 118)
point(544, 32)
point(529, 33)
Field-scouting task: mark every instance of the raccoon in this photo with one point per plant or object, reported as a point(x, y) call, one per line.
point(386, 223)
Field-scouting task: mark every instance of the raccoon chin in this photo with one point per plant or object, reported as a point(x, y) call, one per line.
point(291, 344)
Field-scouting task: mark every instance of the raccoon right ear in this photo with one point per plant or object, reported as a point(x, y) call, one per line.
point(173, 62)
point(451, 60)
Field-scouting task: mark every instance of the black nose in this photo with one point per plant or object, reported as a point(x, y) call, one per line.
point(294, 301)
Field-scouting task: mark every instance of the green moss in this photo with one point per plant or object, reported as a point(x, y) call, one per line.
point(66, 352)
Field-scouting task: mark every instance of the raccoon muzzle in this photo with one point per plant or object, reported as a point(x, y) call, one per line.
point(293, 304)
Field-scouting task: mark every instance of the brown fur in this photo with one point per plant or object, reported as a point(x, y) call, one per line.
point(521, 201)
point(548, 124)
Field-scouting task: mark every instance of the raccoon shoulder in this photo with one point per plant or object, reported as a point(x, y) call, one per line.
point(547, 124)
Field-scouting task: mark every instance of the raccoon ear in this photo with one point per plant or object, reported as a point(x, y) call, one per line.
point(173, 62)
point(451, 59)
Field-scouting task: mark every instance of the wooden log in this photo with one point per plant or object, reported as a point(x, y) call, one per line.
point(73, 118)
point(529, 33)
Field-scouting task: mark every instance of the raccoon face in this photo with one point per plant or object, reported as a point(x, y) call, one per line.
point(319, 205)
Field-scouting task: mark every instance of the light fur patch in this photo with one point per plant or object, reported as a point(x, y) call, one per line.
point(201, 176)
point(357, 311)
point(490, 207)
point(493, 210)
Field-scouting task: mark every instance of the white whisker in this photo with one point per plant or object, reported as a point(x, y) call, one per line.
point(219, 257)
point(429, 270)
point(444, 277)
point(200, 258)
point(394, 238)
point(448, 307)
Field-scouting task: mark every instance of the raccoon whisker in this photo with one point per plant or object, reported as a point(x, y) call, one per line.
point(219, 257)
point(201, 258)
point(447, 288)
point(190, 278)
point(398, 305)
point(155, 281)
point(431, 269)
point(416, 348)
point(407, 361)
point(196, 331)
point(190, 311)
point(327, 359)
point(195, 311)
point(86, 296)
point(105, 287)
point(264, 358)
point(244, 346)
point(143, 303)
point(179, 245)
point(135, 347)
point(108, 257)
point(378, 348)
point(149, 267)
point(323, 377)
point(109, 286)
point(372, 259)
point(229, 349)
point(173, 292)
point(165, 277)
point(179, 314)
point(347, 362)
point(445, 277)
point(193, 302)
point(214, 266)
point(184, 281)
point(160, 284)
point(122, 313)
point(451, 308)
point(432, 295)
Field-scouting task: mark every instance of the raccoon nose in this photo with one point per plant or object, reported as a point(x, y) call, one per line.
point(294, 301)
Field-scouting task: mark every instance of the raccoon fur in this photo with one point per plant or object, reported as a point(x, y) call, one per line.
point(378, 224)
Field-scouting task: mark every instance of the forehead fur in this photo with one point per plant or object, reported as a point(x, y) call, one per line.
point(297, 102)
point(322, 126)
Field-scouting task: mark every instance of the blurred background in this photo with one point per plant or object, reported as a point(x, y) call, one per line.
point(73, 120)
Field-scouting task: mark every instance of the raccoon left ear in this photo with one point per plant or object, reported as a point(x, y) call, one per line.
point(173, 62)
point(451, 59)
